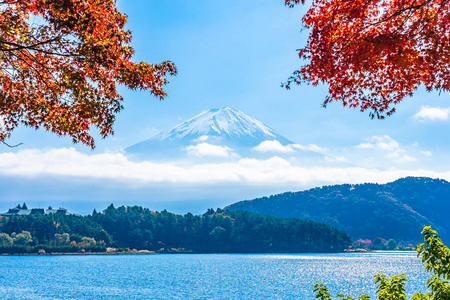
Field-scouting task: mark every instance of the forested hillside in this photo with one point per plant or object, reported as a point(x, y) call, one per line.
point(398, 210)
point(140, 228)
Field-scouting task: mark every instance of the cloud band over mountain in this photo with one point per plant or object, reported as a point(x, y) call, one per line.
point(274, 171)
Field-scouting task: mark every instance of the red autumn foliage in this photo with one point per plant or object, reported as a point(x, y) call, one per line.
point(374, 53)
point(61, 62)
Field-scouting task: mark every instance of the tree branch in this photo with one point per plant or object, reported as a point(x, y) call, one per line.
point(11, 146)
point(30, 47)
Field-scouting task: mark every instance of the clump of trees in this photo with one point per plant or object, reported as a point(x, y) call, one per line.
point(53, 233)
point(382, 244)
point(24, 242)
point(23, 239)
point(217, 231)
point(436, 256)
point(140, 228)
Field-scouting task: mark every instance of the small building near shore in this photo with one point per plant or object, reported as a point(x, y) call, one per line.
point(16, 211)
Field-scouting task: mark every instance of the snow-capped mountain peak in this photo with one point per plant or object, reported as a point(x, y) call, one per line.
point(224, 122)
point(222, 134)
point(224, 129)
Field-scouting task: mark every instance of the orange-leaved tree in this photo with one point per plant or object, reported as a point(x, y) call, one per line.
point(374, 53)
point(61, 62)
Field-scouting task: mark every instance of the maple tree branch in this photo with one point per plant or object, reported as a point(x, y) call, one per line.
point(11, 146)
point(442, 6)
point(408, 9)
point(31, 57)
point(13, 73)
point(36, 70)
point(33, 47)
point(61, 61)
point(427, 20)
point(405, 19)
point(33, 67)
point(20, 47)
point(400, 11)
point(7, 72)
point(25, 52)
point(57, 54)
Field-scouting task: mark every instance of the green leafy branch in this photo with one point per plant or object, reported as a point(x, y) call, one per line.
point(436, 256)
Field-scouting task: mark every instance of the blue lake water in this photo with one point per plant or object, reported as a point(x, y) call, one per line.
point(201, 276)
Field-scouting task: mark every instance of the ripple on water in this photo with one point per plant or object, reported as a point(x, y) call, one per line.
point(201, 276)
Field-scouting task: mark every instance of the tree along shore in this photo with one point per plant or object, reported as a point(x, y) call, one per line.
point(128, 228)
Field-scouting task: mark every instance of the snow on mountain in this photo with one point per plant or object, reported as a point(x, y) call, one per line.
point(222, 124)
point(223, 133)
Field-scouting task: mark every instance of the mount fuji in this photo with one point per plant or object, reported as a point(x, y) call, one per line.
point(219, 134)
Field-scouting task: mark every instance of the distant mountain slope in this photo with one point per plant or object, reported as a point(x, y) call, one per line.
point(223, 133)
point(397, 210)
point(222, 124)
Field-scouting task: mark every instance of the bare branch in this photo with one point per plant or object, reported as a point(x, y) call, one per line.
point(11, 146)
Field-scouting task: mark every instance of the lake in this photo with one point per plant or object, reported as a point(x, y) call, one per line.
point(201, 276)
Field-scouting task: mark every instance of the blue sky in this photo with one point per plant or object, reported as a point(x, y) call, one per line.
point(228, 53)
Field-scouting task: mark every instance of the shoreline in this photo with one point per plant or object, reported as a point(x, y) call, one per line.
point(113, 251)
point(79, 253)
point(145, 252)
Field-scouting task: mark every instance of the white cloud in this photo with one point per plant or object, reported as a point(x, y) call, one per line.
point(276, 146)
point(384, 142)
point(200, 139)
point(404, 159)
point(426, 153)
point(205, 149)
point(366, 146)
point(336, 159)
point(310, 147)
point(395, 154)
point(432, 113)
point(388, 145)
point(273, 146)
point(275, 171)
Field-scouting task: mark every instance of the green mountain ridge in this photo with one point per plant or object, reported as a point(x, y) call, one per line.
point(397, 210)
